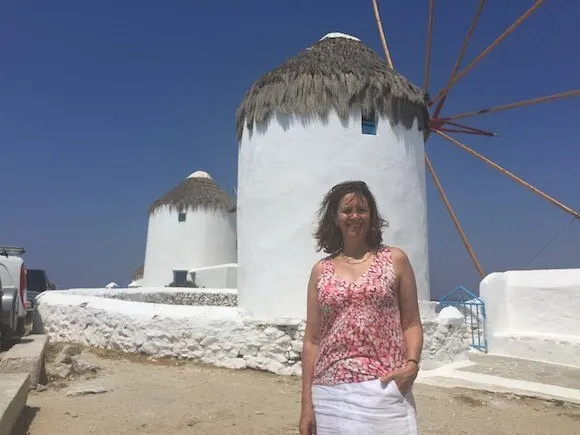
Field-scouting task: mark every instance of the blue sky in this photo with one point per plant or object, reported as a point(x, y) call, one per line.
point(106, 105)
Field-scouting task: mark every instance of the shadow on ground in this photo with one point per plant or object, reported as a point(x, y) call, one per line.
point(23, 424)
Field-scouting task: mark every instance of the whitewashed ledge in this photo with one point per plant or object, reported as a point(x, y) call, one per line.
point(166, 295)
point(221, 336)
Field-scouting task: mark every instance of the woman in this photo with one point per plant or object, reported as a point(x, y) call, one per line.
point(363, 337)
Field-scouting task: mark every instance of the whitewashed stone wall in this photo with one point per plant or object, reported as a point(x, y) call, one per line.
point(165, 295)
point(220, 299)
point(533, 314)
point(223, 276)
point(221, 336)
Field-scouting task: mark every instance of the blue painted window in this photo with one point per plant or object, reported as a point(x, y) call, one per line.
point(181, 217)
point(369, 124)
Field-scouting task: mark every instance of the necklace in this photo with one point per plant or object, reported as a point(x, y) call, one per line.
point(350, 261)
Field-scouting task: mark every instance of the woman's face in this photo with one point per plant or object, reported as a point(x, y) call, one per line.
point(353, 217)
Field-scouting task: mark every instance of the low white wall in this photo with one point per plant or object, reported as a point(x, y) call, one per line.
point(165, 295)
point(534, 314)
point(222, 276)
point(136, 283)
point(428, 309)
point(222, 336)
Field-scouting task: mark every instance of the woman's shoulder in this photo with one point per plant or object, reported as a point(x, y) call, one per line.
point(396, 252)
point(321, 265)
point(318, 268)
point(397, 256)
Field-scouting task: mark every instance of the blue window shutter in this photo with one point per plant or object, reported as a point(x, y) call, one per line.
point(369, 123)
point(369, 128)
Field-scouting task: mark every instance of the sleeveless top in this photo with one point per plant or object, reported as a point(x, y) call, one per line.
point(361, 334)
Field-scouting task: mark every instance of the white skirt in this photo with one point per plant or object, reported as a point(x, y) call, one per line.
point(363, 408)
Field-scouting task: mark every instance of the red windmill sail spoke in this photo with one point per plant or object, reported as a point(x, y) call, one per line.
point(441, 125)
point(574, 93)
point(510, 175)
point(454, 218)
point(382, 33)
point(460, 57)
point(481, 55)
point(468, 129)
point(460, 131)
point(428, 45)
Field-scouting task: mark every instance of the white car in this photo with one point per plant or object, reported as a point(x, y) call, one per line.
point(13, 301)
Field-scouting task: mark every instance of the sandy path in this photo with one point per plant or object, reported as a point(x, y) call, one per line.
point(186, 398)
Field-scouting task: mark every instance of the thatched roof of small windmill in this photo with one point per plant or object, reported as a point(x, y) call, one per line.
point(138, 274)
point(196, 191)
point(338, 72)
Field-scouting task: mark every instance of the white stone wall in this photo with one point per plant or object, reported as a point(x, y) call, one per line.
point(206, 238)
point(534, 314)
point(222, 336)
point(164, 295)
point(136, 283)
point(284, 170)
point(222, 276)
point(218, 299)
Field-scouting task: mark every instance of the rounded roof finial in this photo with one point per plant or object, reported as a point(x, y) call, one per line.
point(339, 35)
point(199, 174)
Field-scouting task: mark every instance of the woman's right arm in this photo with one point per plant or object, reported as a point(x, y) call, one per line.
point(311, 339)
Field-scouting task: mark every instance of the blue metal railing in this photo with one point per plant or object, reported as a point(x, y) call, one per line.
point(473, 309)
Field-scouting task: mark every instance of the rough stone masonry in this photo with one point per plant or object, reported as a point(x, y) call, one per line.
point(217, 335)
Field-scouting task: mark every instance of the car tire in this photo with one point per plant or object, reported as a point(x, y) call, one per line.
point(8, 318)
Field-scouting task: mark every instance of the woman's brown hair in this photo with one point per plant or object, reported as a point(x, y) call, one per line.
point(328, 236)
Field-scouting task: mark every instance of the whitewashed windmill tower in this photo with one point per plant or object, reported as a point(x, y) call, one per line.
point(193, 225)
point(334, 112)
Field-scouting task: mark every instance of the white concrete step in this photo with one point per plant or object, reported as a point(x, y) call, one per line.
point(13, 395)
point(27, 356)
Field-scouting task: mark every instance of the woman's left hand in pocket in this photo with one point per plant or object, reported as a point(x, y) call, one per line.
point(403, 377)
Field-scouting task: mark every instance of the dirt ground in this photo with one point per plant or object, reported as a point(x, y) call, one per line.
point(175, 397)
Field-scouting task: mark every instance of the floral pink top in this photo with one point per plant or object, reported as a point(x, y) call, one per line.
point(361, 334)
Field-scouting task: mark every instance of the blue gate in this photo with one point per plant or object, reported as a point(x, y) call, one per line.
point(473, 310)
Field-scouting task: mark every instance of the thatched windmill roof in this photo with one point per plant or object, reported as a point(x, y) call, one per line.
point(196, 191)
point(338, 72)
